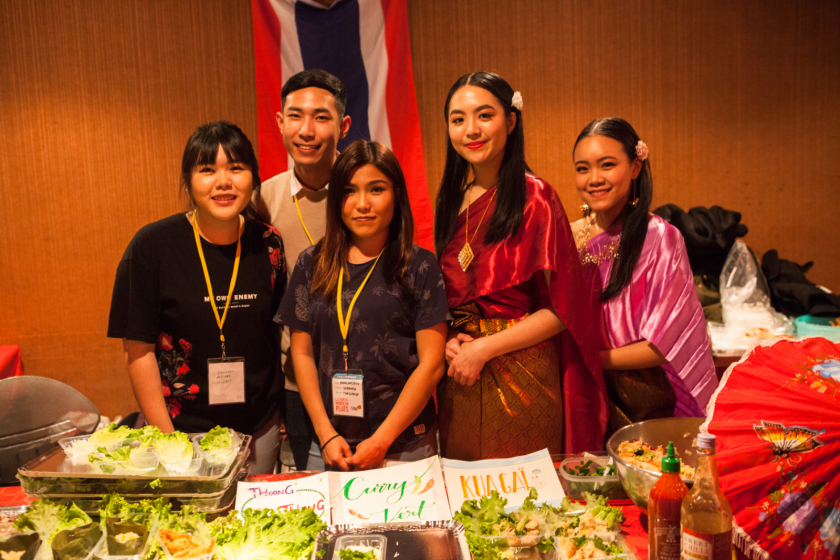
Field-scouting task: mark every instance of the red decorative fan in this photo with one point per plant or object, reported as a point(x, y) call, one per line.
point(776, 416)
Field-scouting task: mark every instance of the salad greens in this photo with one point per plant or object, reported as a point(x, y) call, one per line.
point(127, 457)
point(147, 434)
point(174, 448)
point(49, 518)
point(109, 435)
point(487, 518)
point(217, 438)
point(587, 470)
point(347, 554)
point(266, 533)
point(492, 534)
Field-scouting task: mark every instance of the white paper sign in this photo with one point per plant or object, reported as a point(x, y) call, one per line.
point(512, 478)
point(409, 492)
point(226, 381)
point(312, 492)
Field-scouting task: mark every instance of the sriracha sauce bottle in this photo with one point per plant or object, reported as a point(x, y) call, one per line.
point(664, 504)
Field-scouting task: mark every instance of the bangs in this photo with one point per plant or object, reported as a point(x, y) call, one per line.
point(208, 149)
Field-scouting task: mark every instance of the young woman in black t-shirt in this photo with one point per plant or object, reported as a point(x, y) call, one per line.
point(162, 311)
point(386, 330)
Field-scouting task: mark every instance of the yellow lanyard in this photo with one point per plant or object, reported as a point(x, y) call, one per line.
point(219, 321)
point(345, 325)
point(297, 205)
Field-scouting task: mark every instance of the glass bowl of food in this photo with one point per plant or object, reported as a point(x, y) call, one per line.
point(637, 450)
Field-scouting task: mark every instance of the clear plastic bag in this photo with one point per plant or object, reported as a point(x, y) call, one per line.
point(745, 302)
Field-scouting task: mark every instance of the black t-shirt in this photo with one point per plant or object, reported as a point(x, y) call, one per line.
point(160, 296)
point(382, 339)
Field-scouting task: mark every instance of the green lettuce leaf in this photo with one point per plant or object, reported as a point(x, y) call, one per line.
point(174, 447)
point(109, 435)
point(266, 533)
point(217, 438)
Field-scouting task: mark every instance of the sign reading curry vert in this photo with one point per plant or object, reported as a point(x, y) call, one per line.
point(411, 492)
point(512, 478)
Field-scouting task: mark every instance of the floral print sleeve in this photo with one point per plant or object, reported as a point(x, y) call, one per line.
point(431, 306)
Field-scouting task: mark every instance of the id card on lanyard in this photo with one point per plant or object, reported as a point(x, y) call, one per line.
point(225, 375)
point(348, 385)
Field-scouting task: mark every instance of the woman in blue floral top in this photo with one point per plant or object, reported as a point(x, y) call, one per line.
point(372, 401)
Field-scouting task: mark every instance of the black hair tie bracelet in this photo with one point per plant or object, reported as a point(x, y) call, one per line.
point(329, 440)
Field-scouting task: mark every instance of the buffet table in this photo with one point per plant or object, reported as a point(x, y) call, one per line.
point(634, 526)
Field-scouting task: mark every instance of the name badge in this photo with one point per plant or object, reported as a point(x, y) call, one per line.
point(348, 393)
point(226, 378)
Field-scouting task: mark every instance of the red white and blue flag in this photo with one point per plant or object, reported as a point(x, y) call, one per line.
point(365, 44)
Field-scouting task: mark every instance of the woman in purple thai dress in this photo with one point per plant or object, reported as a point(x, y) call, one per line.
point(654, 347)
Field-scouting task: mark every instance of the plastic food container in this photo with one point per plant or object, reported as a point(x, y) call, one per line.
point(377, 542)
point(193, 465)
point(520, 547)
point(215, 502)
point(12, 514)
point(576, 485)
point(169, 556)
point(142, 461)
point(808, 325)
point(219, 460)
point(77, 448)
point(91, 554)
point(101, 551)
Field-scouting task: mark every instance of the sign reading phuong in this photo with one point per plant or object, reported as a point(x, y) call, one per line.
point(312, 492)
point(512, 478)
point(410, 492)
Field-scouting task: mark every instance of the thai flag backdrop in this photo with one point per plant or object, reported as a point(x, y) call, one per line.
point(364, 43)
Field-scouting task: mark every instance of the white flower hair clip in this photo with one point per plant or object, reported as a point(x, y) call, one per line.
point(642, 150)
point(516, 102)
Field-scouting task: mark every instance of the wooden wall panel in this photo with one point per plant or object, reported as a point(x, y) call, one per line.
point(737, 101)
point(98, 100)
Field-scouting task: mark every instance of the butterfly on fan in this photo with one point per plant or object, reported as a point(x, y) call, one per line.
point(785, 441)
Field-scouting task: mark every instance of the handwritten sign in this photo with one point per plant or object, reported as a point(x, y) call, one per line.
point(511, 478)
point(409, 492)
point(312, 492)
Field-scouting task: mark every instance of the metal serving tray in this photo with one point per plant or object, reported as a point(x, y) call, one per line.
point(52, 474)
point(441, 540)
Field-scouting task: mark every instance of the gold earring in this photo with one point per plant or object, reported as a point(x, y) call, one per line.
point(635, 202)
point(585, 209)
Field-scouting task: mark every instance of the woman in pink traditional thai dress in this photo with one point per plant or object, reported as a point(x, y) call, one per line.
point(654, 347)
point(524, 372)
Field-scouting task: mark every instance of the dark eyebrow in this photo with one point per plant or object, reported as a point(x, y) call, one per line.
point(318, 110)
point(481, 108)
point(600, 159)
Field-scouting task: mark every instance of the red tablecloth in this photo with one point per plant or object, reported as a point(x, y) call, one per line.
point(13, 496)
point(10, 362)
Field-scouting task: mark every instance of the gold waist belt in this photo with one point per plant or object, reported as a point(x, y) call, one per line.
point(467, 319)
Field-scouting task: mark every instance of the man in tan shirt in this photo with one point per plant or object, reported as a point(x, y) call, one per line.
point(312, 121)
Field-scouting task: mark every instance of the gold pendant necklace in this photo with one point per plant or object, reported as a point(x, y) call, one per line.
point(466, 255)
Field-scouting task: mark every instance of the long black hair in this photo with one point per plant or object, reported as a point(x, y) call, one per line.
point(331, 251)
point(202, 148)
point(510, 189)
point(635, 217)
